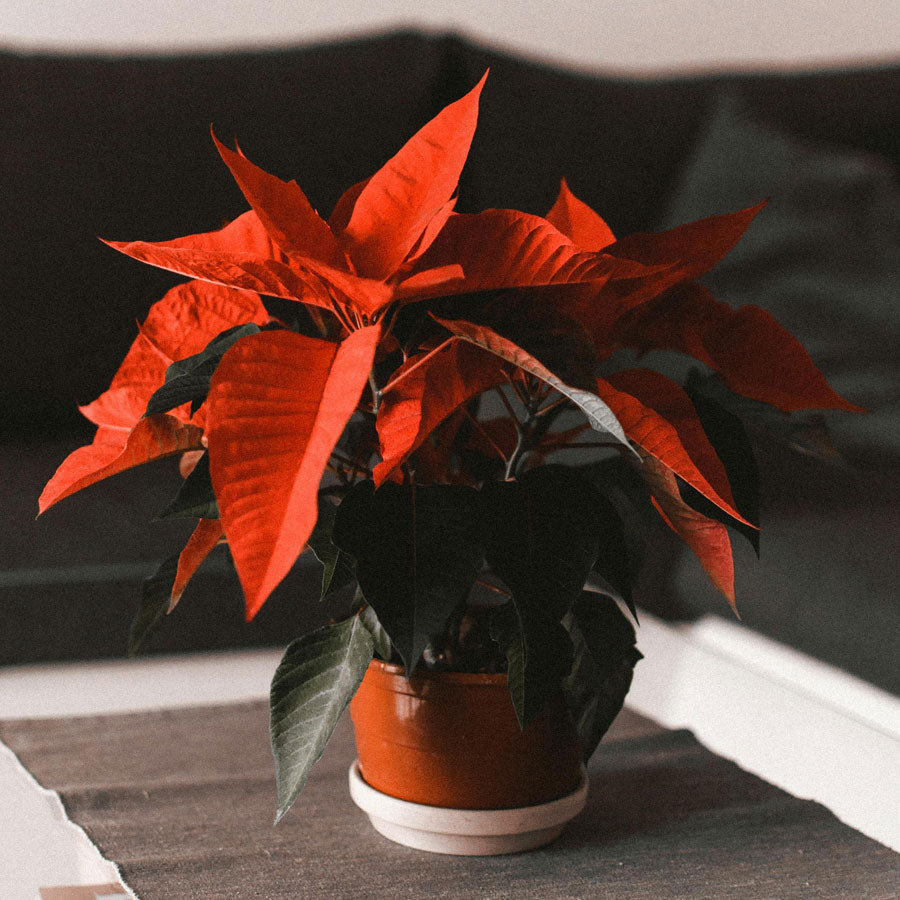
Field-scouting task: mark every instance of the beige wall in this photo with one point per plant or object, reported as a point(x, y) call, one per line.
point(626, 34)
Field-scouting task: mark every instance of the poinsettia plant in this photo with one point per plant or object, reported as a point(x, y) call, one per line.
point(408, 414)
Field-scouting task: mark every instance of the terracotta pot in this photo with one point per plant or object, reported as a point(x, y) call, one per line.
point(452, 740)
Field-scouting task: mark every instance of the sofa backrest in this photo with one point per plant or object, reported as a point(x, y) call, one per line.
point(120, 148)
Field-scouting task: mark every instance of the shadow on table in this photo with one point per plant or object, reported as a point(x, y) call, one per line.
point(659, 783)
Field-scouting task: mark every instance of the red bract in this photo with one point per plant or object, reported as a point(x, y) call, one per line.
point(278, 403)
point(362, 259)
point(179, 325)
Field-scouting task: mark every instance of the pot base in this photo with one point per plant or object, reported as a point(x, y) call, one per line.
point(465, 832)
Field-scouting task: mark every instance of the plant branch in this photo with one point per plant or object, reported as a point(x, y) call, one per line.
point(484, 433)
point(376, 394)
point(507, 404)
point(550, 407)
point(523, 444)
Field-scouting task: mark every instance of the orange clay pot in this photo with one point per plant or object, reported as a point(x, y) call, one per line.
point(452, 739)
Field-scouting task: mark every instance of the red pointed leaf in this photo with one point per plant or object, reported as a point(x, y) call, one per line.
point(431, 283)
point(658, 415)
point(598, 413)
point(278, 403)
point(706, 537)
point(501, 248)
point(755, 355)
point(397, 203)
point(112, 452)
point(578, 222)
point(671, 257)
point(424, 392)
point(243, 255)
point(142, 371)
point(343, 209)
point(689, 250)
point(283, 210)
point(182, 323)
point(206, 535)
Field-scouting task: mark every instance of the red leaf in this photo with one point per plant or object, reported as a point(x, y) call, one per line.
point(243, 255)
point(658, 415)
point(343, 209)
point(424, 392)
point(283, 210)
point(397, 203)
point(755, 355)
point(669, 258)
point(578, 222)
point(706, 537)
point(113, 451)
point(688, 251)
point(206, 535)
point(501, 248)
point(278, 403)
point(182, 323)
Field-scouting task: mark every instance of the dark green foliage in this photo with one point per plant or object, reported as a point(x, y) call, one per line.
point(338, 569)
point(729, 439)
point(538, 654)
point(315, 680)
point(195, 498)
point(604, 660)
point(187, 380)
point(546, 529)
point(418, 551)
point(155, 593)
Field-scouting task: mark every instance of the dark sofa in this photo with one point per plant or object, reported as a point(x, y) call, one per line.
point(120, 148)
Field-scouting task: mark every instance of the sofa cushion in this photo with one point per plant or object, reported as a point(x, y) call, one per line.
point(824, 258)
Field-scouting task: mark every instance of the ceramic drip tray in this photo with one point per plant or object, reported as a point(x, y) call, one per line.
point(465, 832)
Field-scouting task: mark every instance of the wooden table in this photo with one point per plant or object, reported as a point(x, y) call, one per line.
point(183, 800)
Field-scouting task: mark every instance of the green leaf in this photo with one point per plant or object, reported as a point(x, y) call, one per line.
point(208, 358)
point(187, 380)
point(612, 564)
point(605, 656)
point(156, 591)
point(380, 638)
point(538, 654)
point(195, 498)
point(597, 584)
point(418, 551)
point(191, 388)
point(545, 535)
point(314, 682)
point(338, 568)
point(729, 439)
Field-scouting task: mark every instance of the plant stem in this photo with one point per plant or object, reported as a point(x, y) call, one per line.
point(507, 404)
point(559, 401)
point(376, 394)
point(484, 434)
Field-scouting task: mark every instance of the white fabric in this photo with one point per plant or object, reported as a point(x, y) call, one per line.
point(39, 845)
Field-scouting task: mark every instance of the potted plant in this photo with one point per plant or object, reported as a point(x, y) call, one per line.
point(407, 408)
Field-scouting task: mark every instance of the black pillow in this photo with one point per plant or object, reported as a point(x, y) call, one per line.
point(823, 257)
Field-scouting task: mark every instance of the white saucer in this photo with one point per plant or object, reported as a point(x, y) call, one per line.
point(465, 832)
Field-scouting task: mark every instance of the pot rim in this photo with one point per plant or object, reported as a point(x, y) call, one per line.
point(470, 678)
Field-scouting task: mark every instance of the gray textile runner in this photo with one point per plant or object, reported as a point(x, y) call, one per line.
point(183, 801)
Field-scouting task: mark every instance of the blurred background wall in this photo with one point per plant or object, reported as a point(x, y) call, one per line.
point(634, 35)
